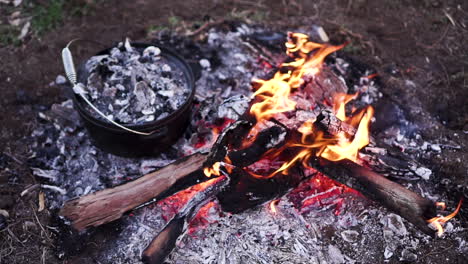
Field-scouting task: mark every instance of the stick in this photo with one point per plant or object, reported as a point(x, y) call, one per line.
point(165, 241)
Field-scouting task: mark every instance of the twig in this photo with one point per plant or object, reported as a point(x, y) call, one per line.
point(205, 26)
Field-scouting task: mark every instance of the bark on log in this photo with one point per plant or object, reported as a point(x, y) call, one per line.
point(165, 241)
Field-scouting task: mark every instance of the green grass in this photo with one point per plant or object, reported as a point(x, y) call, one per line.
point(47, 17)
point(9, 35)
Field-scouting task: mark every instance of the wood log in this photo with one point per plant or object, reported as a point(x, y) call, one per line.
point(408, 204)
point(110, 204)
point(165, 241)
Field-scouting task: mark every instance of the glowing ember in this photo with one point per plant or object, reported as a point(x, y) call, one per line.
point(438, 221)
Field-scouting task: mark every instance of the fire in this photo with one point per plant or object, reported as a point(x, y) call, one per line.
point(214, 170)
point(438, 221)
point(273, 205)
point(276, 95)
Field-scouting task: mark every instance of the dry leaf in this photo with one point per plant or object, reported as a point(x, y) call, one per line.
point(41, 202)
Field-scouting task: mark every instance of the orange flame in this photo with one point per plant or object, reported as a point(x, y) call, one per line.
point(274, 94)
point(214, 170)
point(438, 221)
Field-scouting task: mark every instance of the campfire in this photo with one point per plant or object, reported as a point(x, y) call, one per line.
point(297, 129)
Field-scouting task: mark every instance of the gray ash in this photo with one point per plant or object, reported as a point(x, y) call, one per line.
point(133, 85)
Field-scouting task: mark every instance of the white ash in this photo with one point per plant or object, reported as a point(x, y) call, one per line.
point(233, 107)
point(133, 86)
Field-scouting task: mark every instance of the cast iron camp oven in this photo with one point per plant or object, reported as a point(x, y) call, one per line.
point(164, 132)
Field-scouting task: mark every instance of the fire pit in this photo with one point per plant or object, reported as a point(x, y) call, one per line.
point(299, 145)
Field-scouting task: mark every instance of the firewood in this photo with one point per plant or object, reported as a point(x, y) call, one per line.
point(164, 242)
point(110, 204)
point(408, 204)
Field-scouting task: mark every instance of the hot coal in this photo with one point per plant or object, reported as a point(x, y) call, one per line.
point(133, 86)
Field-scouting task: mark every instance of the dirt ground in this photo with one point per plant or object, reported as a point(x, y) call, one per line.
point(421, 41)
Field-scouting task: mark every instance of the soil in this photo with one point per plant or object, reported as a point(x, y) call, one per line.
point(418, 48)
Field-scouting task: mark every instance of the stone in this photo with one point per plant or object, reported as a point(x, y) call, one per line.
point(350, 236)
point(205, 63)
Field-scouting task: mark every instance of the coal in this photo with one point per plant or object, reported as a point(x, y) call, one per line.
point(134, 86)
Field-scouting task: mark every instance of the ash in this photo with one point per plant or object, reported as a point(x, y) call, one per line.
point(131, 85)
point(337, 228)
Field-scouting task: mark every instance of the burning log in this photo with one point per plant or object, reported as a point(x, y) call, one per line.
point(165, 241)
point(110, 204)
point(410, 205)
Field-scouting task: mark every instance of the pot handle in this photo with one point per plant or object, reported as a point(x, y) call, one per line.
point(71, 74)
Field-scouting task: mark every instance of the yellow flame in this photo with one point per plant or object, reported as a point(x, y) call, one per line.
point(274, 94)
point(214, 170)
point(439, 221)
point(273, 206)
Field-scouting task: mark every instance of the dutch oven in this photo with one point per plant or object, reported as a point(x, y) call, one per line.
point(164, 132)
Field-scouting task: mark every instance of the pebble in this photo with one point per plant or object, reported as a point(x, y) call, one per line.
point(335, 255)
point(424, 173)
point(408, 256)
point(205, 63)
point(350, 235)
point(395, 223)
point(436, 148)
point(60, 79)
point(166, 68)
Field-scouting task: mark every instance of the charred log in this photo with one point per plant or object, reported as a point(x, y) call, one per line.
point(110, 204)
point(165, 241)
point(408, 204)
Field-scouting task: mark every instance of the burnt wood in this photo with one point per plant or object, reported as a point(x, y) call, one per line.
point(406, 203)
point(165, 241)
point(110, 204)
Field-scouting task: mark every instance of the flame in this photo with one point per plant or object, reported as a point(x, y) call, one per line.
point(438, 221)
point(273, 205)
point(340, 102)
point(346, 149)
point(214, 170)
point(274, 94)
